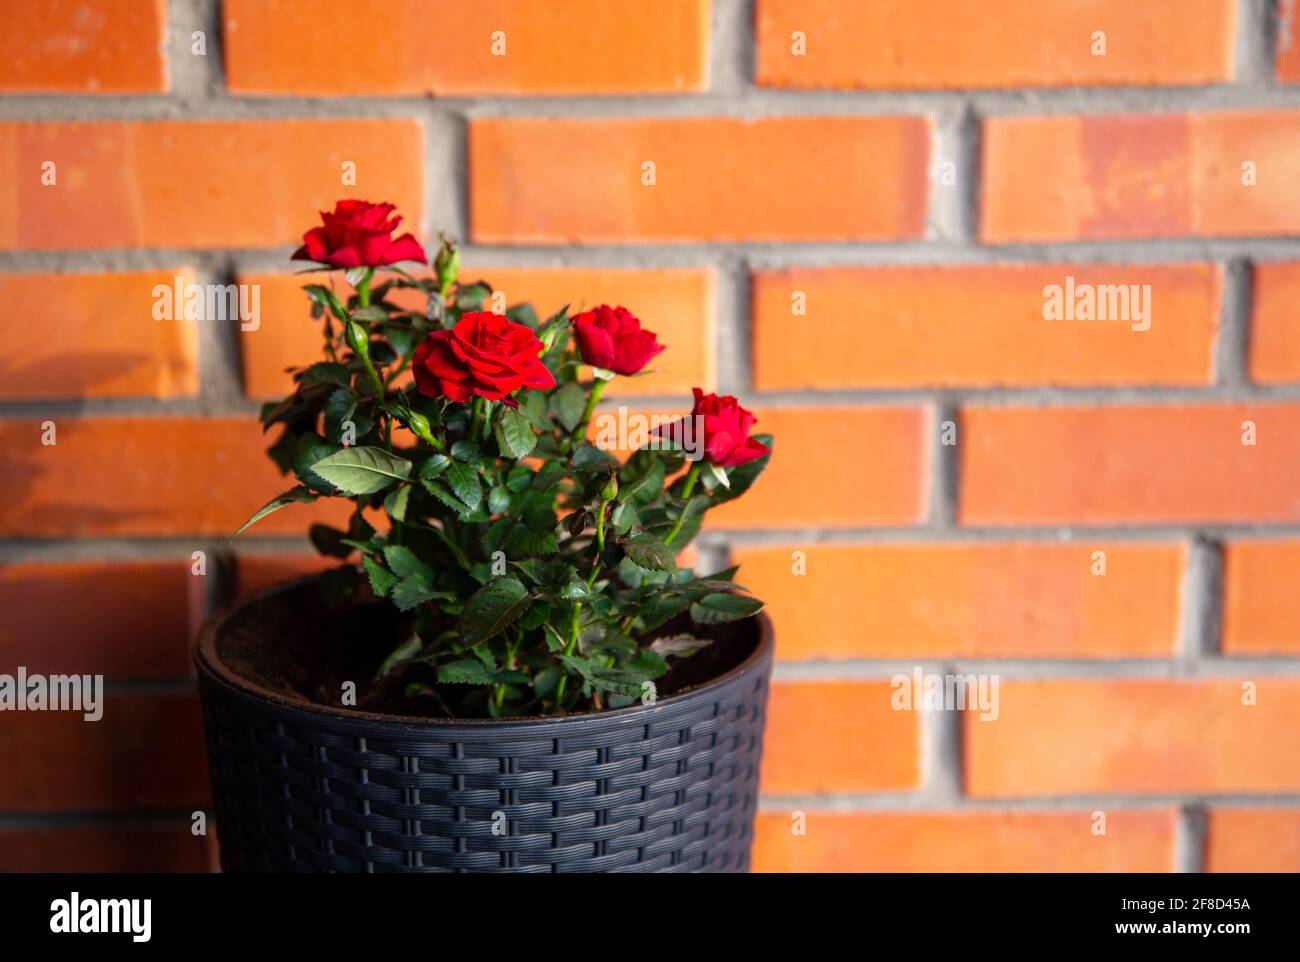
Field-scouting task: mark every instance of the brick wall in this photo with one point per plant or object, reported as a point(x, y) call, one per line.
point(856, 209)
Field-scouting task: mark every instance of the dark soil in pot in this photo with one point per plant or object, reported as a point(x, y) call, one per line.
point(291, 644)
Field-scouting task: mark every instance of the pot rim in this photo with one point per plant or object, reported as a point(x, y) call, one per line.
point(209, 662)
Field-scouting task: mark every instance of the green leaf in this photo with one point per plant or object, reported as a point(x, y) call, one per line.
point(683, 646)
point(372, 312)
point(721, 606)
point(412, 591)
point(403, 652)
point(464, 482)
point(434, 466)
point(498, 500)
point(397, 502)
point(327, 373)
point(514, 434)
point(310, 449)
point(719, 475)
point(588, 457)
point(326, 297)
point(644, 488)
point(492, 608)
point(363, 470)
point(567, 405)
point(297, 495)
point(693, 511)
point(466, 671)
point(404, 562)
point(649, 553)
point(381, 579)
point(608, 679)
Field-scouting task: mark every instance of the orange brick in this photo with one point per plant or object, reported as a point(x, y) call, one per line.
point(845, 466)
point(1136, 736)
point(1261, 612)
point(1016, 600)
point(1096, 465)
point(144, 476)
point(677, 304)
point(838, 736)
point(146, 752)
point(1124, 176)
point(70, 46)
point(1288, 42)
point(120, 619)
point(959, 326)
point(1253, 840)
point(1135, 841)
point(120, 848)
point(209, 183)
point(98, 337)
point(900, 44)
point(1275, 323)
point(564, 181)
point(448, 48)
point(258, 571)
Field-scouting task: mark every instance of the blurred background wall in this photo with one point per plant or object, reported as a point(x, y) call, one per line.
point(846, 213)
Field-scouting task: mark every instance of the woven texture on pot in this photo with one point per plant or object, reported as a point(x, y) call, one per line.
point(671, 787)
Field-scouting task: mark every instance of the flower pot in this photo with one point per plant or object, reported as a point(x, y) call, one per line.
point(304, 787)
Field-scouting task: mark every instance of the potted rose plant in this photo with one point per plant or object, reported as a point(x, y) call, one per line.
point(508, 670)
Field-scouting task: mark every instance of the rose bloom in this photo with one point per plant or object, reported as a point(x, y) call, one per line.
point(725, 426)
point(485, 355)
point(612, 338)
point(358, 234)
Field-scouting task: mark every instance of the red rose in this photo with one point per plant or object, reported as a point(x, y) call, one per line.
point(611, 338)
point(486, 355)
point(358, 234)
point(720, 427)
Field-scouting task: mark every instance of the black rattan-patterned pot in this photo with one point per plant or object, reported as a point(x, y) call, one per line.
point(300, 787)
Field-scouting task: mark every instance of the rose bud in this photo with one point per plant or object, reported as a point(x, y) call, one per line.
point(485, 355)
point(358, 234)
point(611, 338)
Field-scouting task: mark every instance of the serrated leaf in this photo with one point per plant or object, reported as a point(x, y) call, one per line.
point(465, 484)
point(466, 671)
point(363, 470)
point(719, 607)
point(310, 449)
point(514, 434)
point(299, 495)
point(381, 579)
point(649, 553)
point(435, 465)
point(404, 563)
point(412, 591)
point(492, 608)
